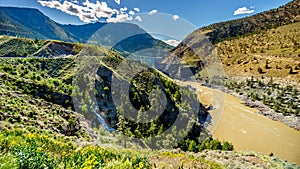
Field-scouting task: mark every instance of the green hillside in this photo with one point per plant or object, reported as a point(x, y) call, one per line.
point(18, 47)
point(39, 125)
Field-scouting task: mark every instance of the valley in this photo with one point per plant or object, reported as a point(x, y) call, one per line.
point(110, 95)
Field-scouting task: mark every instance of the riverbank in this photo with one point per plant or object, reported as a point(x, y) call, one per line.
point(290, 120)
point(245, 128)
point(275, 98)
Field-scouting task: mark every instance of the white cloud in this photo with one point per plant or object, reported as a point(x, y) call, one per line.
point(131, 12)
point(102, 10)
point(71, 8)
point(172, 42)
point(123, 9)
point(153, 12)
point(88, 17)
point(120, 18)
point(138, 18)
point(243, 10)
point(137, 9)
point(75, 1)
point(175, 17)
point(118, 1)
point(88, 11)
point(51, 4)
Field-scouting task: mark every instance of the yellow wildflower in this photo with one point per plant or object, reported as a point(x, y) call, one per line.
point(141, 165)
point(39, 149)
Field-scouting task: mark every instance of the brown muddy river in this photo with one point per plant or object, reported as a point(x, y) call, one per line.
point(245, 129)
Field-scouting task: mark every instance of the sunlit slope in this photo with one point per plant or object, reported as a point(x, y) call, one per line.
point(274, 53)
point(265, 44)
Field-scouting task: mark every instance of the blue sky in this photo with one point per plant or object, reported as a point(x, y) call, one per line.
point(198, 12)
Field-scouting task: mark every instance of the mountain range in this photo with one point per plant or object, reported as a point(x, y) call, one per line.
point(125, 37)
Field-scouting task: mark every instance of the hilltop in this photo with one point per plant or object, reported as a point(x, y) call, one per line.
point(284, 15)
point(249, 42)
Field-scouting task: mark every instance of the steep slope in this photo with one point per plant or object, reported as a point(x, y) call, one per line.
point(53, 75)
point(20, 22)
point(281, 16)
point(272, 35)
point(272, 53)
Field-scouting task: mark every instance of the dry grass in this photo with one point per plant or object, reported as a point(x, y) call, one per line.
point(275, 52)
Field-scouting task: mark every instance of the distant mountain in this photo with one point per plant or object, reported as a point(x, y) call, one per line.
point(126, 38)
point(83, 32)
point(31, 23)
point(268, 37)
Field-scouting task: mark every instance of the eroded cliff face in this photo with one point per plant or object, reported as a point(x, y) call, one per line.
point(179, 104)
point(193, 55)
point(104, 96)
